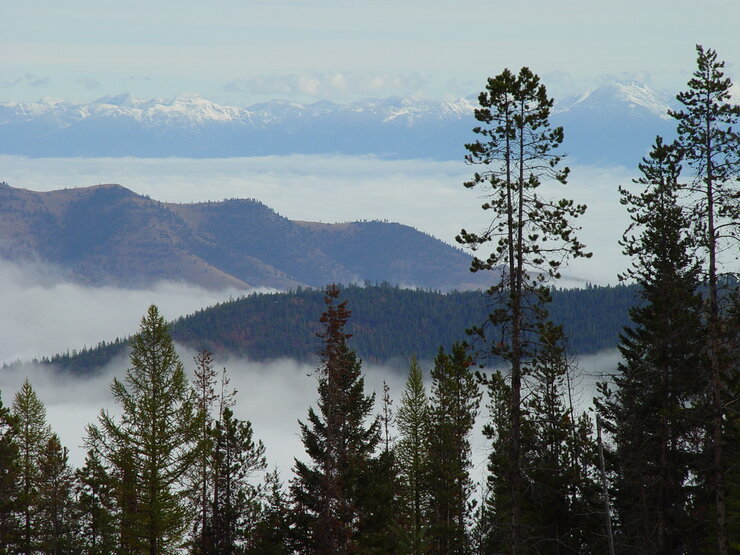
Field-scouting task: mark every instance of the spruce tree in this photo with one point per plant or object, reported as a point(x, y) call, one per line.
point(531, 236)
point(155, 441)
point(33, 433)
point(413, 460)
point(711, 148)
point(271, 534)
point(452, 410)
point(650, 409)
point(338, 441)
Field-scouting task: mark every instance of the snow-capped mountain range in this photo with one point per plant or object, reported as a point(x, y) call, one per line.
point(613, 124)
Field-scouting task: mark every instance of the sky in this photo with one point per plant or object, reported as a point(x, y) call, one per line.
point(243, 51)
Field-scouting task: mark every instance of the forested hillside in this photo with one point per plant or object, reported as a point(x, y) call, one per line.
point(388, 322)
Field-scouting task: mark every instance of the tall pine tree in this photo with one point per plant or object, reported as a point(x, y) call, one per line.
point(711, 148)
point(33, 433)
point(155, 442)
point(413, 461)
point(531, 236)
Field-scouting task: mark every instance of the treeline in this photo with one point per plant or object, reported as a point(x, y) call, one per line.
point(389, 323)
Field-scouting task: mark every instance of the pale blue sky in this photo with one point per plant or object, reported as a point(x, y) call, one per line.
point(244, 51)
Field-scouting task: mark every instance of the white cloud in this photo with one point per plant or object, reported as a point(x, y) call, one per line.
point(44, 313)
point(333, 85)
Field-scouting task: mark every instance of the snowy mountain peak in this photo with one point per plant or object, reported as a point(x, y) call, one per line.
point(632, 95)
point(395, 127)
point(195, 109)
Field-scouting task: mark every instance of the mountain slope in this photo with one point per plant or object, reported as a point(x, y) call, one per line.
point(613, 124)
point(107, 234)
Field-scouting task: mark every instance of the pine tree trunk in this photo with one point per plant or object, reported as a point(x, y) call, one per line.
point(714, 361)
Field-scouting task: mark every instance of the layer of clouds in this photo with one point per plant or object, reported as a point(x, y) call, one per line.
point(274, 396)
point(425, 194)
point(27, 80)
point(337, 85)
point(44, 313)
point(90, 83)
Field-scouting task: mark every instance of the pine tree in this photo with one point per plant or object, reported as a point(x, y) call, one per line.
point(9, 481)
point(338, 441)
point(155, 442)
point(33, 433)
point(56, 516)
point(453, 407)
point(204, 385)
point(413, 460)
point(96, 507)
point(235, 505)
point(531, 236)
point(711, 147)
point(649, 413)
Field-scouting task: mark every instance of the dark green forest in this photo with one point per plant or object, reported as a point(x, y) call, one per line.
point(388, 323)
point(651, 465)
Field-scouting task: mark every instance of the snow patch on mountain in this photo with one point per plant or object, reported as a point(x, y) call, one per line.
point(618, 94)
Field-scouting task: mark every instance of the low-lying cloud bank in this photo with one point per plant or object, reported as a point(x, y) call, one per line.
point(272, 395)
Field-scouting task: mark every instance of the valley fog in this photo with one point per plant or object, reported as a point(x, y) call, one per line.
point(273, 396)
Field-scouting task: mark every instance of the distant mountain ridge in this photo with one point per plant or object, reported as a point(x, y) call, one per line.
point(613, 124)
point(107, 234)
